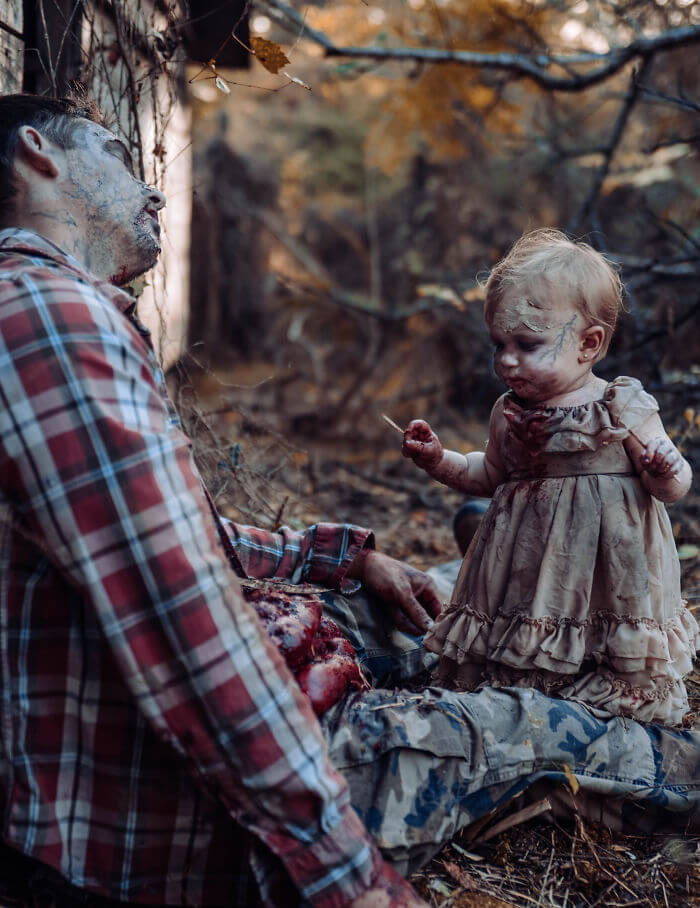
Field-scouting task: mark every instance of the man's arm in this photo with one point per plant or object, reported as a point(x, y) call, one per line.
point(322, 554)
point(107, 488)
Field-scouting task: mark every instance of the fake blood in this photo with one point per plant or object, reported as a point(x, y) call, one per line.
point(331, 670)
point(291, 621)
point(322, 660)
point(120, 277)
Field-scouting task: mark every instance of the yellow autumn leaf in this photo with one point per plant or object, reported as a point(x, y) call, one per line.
point(437, 291)
point(474, 294)
point(271, 55)
point(571, 779)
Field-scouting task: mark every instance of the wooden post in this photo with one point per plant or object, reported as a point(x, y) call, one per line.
point(11, 46)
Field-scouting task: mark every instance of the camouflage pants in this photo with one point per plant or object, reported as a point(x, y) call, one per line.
point(423, 765)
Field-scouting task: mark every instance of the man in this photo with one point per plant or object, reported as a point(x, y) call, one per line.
point(155, 748)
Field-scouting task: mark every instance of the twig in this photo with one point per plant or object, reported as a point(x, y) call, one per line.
point(355, 302)
point(602, 895)
point(670, 141)
point(683, 102)
point(392, 423)
point(277, 521)
point(546, 873)
point(131, 86)
point(527, 813)
point(591, 199)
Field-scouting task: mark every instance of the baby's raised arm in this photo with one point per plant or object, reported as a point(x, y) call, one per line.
point(663, 470)
point(477, 473)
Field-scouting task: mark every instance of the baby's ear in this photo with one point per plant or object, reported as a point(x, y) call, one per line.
point(591, 343)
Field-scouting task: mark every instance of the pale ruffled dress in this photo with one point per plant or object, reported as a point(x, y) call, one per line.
point(572, 583)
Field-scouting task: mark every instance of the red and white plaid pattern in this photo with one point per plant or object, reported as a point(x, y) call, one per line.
point(145, 716)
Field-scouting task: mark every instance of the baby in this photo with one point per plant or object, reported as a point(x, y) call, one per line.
point(572, 583)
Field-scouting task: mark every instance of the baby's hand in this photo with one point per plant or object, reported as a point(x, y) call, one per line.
point(422, 445)
point(661, 457)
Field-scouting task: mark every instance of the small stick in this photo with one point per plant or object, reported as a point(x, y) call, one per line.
point(527, 813)
point(392, 423)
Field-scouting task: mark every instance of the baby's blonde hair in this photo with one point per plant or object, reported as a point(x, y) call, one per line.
point(545, 263)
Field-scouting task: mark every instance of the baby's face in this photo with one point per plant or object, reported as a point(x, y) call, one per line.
point(537, 347)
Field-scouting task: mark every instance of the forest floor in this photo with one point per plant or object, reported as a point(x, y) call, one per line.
point(267, 469)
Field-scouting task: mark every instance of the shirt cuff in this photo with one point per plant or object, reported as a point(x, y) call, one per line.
point(337, 868)
point(332, 553)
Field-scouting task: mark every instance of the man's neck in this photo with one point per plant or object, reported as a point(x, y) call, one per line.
point(57, 224)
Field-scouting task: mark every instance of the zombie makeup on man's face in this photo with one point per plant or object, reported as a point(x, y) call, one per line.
point(120, 212)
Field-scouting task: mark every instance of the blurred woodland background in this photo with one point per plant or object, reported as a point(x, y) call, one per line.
point(341, 177)
point(346, 229)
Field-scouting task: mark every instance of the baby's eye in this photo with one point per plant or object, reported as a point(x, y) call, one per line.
point(497, 346)
point(527, 346)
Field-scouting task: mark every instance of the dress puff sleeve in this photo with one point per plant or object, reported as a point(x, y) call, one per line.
point(628, 403)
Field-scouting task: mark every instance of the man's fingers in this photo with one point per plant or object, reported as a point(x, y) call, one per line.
point(416, 613)
point(426, 591)
point(401, 622)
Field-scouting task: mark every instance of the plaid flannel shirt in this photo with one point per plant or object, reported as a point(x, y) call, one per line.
point(153, 745)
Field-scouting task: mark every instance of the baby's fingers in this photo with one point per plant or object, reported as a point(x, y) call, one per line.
point(661, 457)
point(418, 430)
point(419, 441)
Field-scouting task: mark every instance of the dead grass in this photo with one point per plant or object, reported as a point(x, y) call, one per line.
point(547, 866)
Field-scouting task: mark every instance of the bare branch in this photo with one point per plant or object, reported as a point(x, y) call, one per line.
point(323, 285)
point(120, 29)
point(614, 140)
point(670, 141)
point(653, 95)
point(536, 67)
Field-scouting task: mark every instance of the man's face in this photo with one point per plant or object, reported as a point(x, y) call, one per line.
point(117, 212)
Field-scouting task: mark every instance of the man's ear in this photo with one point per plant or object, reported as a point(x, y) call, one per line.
point(591, 343)
point(36, 151)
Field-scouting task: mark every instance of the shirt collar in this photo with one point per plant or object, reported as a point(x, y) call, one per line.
point(26, 242)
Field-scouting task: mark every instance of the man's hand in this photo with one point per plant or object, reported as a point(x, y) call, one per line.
point(412, 595)
point(422, 445)
point(389, 891)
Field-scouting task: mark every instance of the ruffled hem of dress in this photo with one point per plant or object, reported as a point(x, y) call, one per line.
point(664, 700)
point(587, 427)
point(561, 645)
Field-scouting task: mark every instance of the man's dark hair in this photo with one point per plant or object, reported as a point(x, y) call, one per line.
point(56, 118)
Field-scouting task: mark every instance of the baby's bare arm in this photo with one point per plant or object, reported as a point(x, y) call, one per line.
point(470, 473)
point(477, 473)
point(663, 470)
